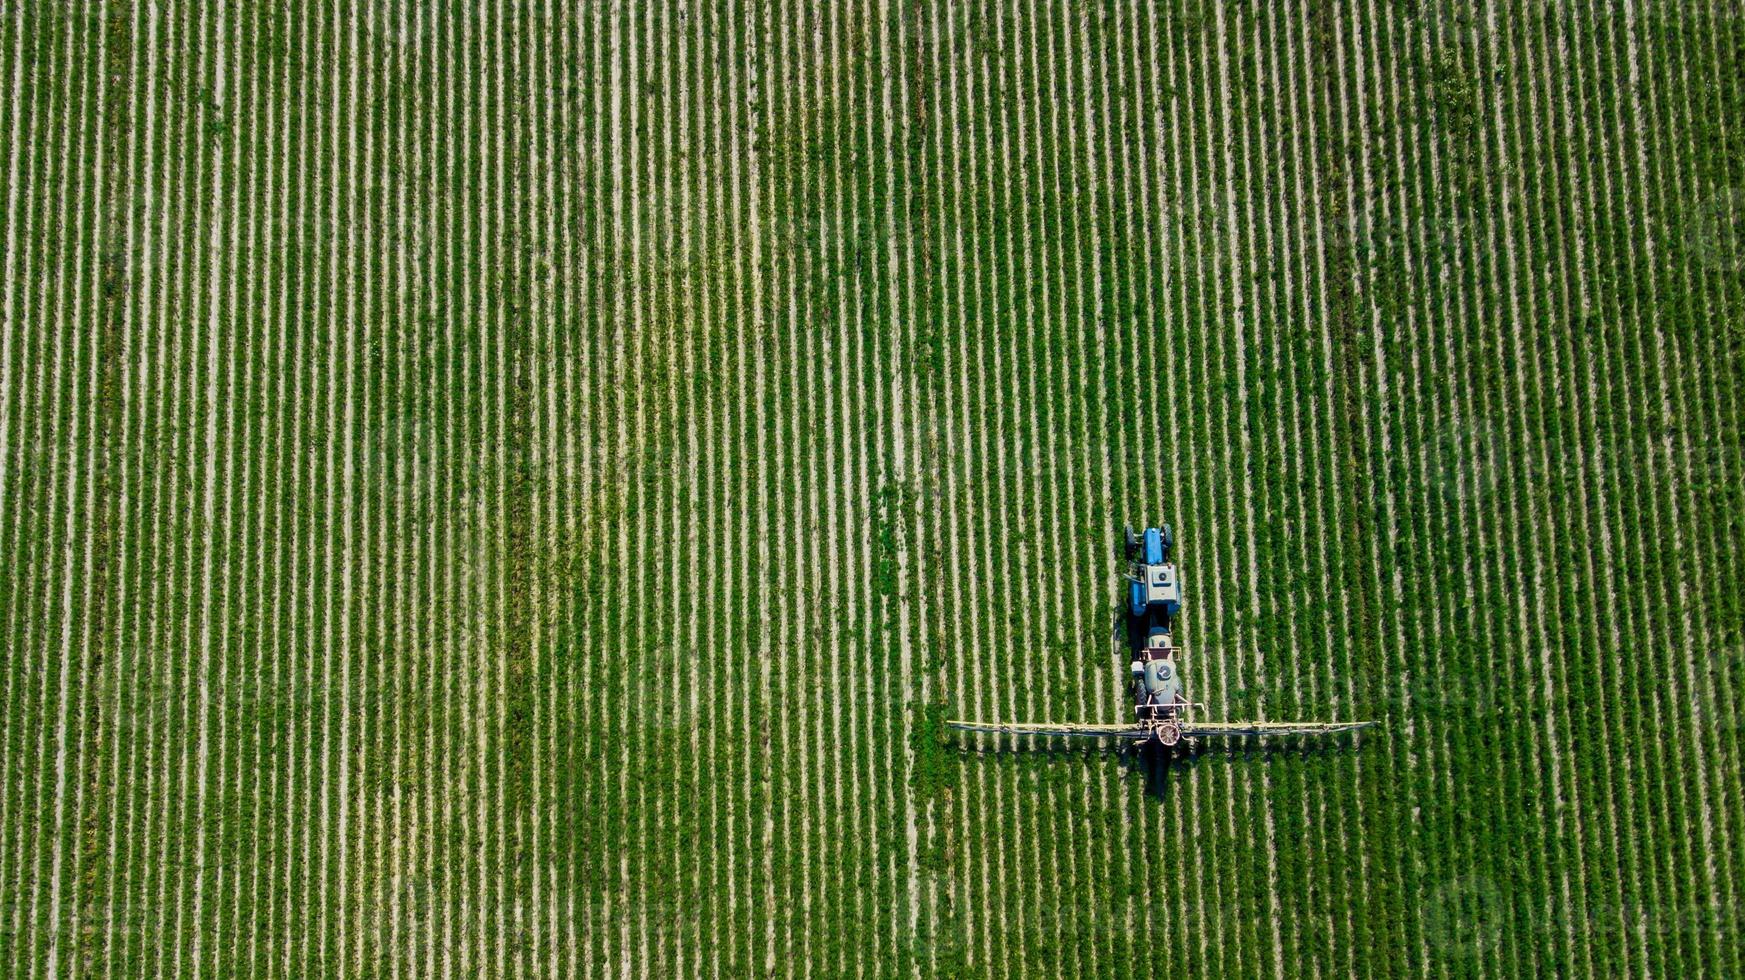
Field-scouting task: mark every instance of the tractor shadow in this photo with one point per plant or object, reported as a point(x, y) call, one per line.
point(1128, 631)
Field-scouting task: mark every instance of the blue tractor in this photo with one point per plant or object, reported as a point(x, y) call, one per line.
point(1153, 590)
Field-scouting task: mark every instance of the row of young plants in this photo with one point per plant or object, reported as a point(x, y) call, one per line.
point(1058, 940)
point(756, 745)
point(42, 475)
point(1407, 479)
point(1209, 457)
point(1529, 929)
point(27, 471)
point(468, 590)
point(149, 728)
point(1270, 567)
point(1018, 845)
point(1015, 295)
point(1651, 505)
point(155, 611)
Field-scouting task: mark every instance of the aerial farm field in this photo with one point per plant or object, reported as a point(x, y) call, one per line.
point(516, 490)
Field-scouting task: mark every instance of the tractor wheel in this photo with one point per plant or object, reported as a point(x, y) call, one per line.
point(1168, 540)
point(1132, 542)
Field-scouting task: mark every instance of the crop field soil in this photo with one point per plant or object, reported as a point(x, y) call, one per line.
point(515, 490)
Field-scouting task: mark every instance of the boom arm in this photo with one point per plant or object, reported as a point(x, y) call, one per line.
point(1191, 729)
point(1195, 729)
point(1067, 730)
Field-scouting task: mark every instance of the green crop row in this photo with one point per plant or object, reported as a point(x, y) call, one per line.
point(636, 431)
